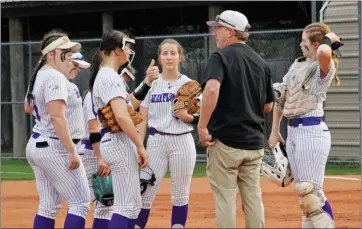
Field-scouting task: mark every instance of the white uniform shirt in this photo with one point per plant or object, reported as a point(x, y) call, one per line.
point(88, 112)
point(159, 100)
point(51, 85)
point(108, 85)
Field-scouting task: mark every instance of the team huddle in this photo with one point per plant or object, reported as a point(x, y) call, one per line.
point(91, 147)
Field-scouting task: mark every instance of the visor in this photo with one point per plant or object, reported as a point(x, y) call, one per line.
point(62, 43)
point(78, 58)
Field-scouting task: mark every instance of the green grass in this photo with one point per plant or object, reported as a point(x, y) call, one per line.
point(20, 170)
point(16, 170)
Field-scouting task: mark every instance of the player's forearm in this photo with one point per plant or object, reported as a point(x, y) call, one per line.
point(142, 128)
point(94, 128)
point(139, 94)
point(135, 102)
point(28, 109)
point(61, 128)
point(184, 117)
point(208, 104)
point(277, 117)
point(324, 56)
point(97, 150)
point(127, 126)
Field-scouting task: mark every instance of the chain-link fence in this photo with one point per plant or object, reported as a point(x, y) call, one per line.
point(278, 47)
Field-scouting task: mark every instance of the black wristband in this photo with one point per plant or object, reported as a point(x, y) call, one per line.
point(141, 91)
point(326, 41)
point(196, 118)
point(95, 137)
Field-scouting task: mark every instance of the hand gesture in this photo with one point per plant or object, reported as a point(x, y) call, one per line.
point(274, 138)
point(103, 168)
point(143, 157)
point(74, 160)
point(152, 73)
point(205, 137)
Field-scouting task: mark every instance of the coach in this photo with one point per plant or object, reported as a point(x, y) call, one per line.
point(237, 90)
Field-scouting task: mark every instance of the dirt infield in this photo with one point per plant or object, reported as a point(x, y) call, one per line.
point(19, 203)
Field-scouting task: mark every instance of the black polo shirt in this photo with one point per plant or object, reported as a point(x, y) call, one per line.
point(246, 85)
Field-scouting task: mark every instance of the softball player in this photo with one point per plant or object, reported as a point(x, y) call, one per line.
point(122, 150)
point(91, 156)
point(170, 143)
point(309, 140)
point(51, 150)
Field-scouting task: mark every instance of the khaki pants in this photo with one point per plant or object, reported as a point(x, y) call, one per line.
point(228, 169)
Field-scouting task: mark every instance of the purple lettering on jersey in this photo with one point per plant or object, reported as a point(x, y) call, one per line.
point(37, 116)
point(162, 98)
point(94, 112)
point(77, 92)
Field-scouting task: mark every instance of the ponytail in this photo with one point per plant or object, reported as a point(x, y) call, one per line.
point(96, 62)
point(29, 96)
point(335, 61)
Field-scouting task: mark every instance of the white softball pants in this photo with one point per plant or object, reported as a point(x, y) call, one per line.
point(54, 181)
point(121, 154)
point(177, 153)
point(90, 162)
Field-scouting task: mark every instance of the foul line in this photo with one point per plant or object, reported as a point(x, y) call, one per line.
point(342, 178)
point(19, 173)
point(327, 177)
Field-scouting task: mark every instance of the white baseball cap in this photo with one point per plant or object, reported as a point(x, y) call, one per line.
point(78, 58)
point(231, 19)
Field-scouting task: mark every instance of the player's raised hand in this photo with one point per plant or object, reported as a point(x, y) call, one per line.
point(143, 157)
point(152, 73)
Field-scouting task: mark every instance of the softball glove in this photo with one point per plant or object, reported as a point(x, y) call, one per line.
point(188, 98)
point(107, 119)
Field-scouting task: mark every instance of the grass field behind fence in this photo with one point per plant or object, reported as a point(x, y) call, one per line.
point(20, 170)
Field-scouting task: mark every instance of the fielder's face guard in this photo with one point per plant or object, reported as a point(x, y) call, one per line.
point(144, 182)
point(127, 72)
point(126, 46)
point(275, 166)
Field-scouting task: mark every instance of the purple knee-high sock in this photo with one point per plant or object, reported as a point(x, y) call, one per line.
point(328, 208)
point(74, 221)
point(100, 223)
point(179, 215)
point(43, 222)
point(142, 219)
point(118, 221)
point(131, 223)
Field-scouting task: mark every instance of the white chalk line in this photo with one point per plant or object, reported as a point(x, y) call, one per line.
point(328, 177)
point(342, 178)
point(19, 173)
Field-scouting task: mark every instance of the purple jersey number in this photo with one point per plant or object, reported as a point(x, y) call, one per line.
point(37, 116)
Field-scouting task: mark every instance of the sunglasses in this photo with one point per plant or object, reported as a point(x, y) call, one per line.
point(218, 18)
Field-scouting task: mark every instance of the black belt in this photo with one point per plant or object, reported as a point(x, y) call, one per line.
point(36, 135)
point(153, 131)
point(308, 121)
